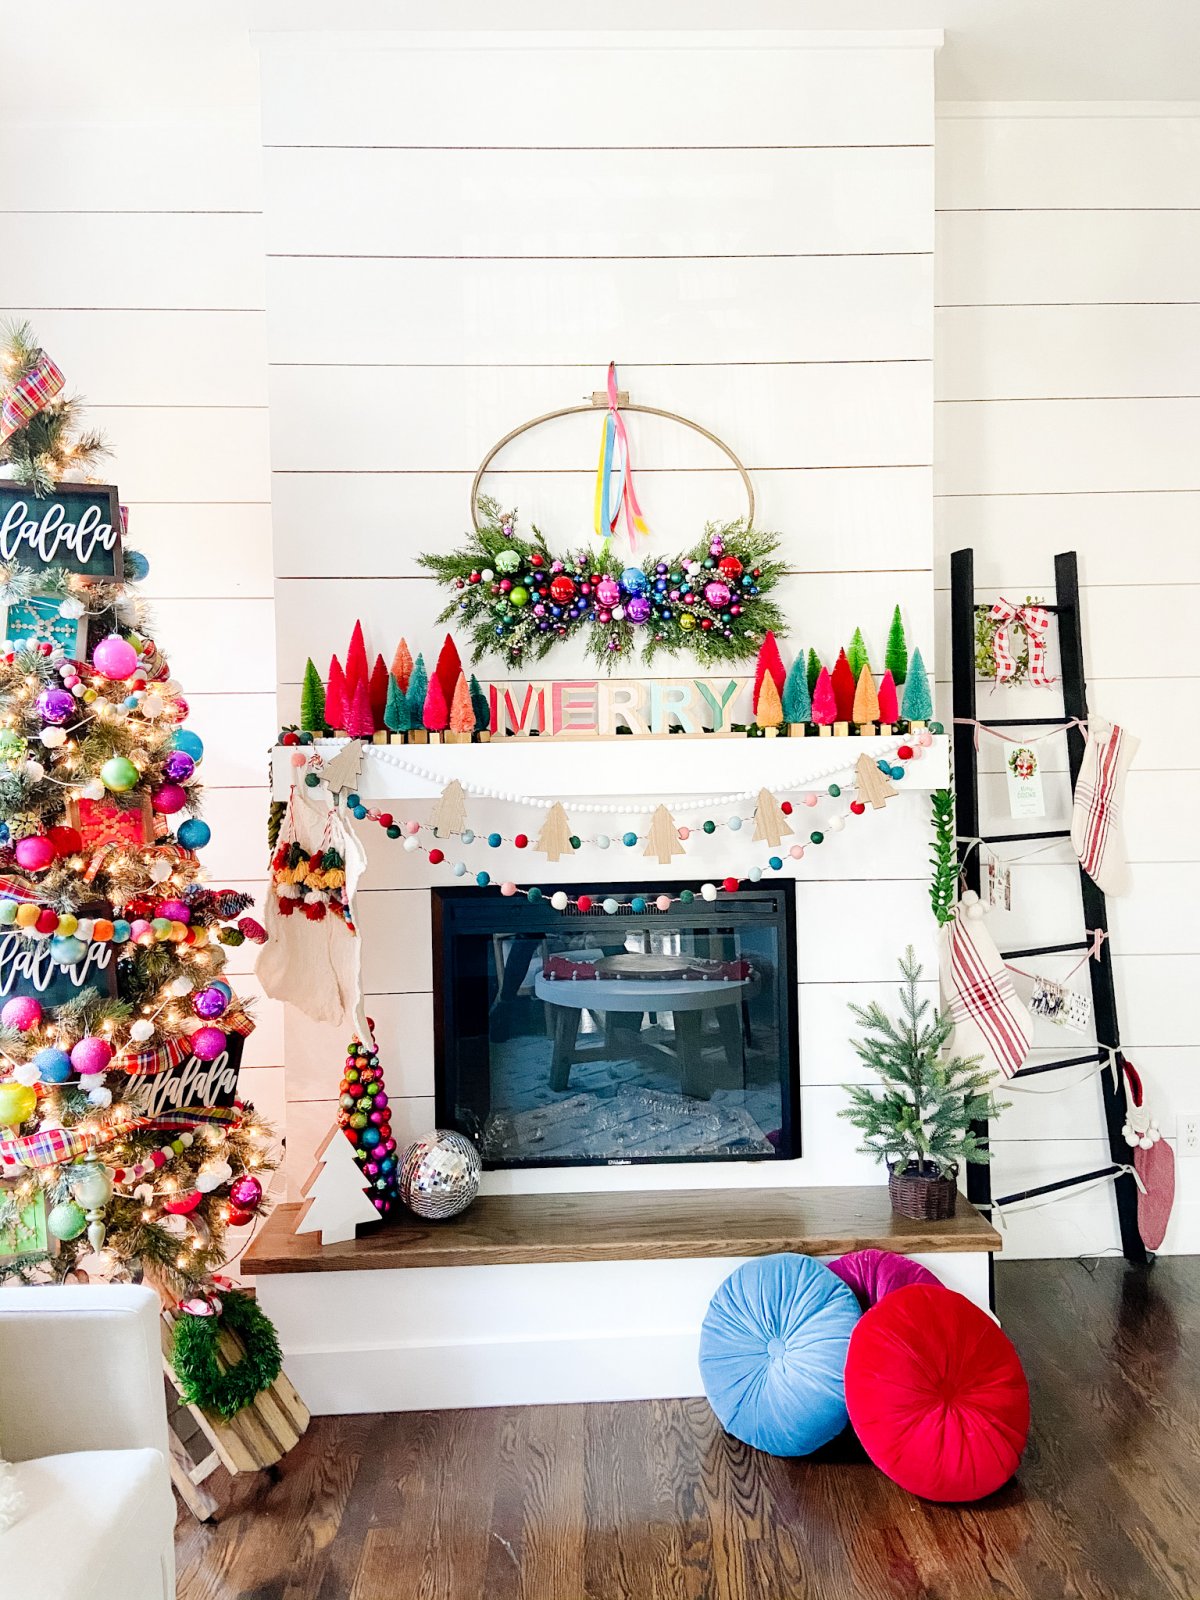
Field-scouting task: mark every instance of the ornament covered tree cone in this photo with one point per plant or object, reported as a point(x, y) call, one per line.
point(364, 1116)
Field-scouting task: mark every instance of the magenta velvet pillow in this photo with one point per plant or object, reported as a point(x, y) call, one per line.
point(874, 1273)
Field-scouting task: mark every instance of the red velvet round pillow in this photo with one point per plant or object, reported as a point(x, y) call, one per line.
point(937, 1394)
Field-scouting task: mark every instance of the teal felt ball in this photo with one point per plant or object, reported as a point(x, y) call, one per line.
point(54, 1066)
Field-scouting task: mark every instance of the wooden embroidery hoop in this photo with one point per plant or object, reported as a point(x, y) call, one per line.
point(599, 402)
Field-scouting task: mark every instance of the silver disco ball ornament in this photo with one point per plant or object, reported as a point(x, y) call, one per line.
point(439, 1176)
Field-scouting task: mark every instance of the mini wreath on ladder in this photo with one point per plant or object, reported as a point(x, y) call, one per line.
point(519, 598)
point(202, 1380)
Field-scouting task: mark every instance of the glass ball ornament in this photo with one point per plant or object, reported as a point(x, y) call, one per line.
point(91, 1185)
point(191, 743)
point(178, 766)
point(518, 596)
point(209, 1003)
point(115, 658)
point(634, 581)
point(638, 609)
point(507, 561)
point(608, 591)
point(439, 1175)
point(18, 1101)
point(168, 798)
point(35, 853)
point(137, 567)
point(55, 705)
point(208, 1043)
point(119, 774)
point(66, 1221)
point(687, 622)
point(245, 1192)
point(716, 594)
point(562, 589)
point(193, 834)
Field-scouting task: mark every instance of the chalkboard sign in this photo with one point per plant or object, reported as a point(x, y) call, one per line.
point(192, 1083)
point(26, 969)
point(77, 526)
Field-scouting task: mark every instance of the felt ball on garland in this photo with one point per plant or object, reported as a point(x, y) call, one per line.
point(207, 1043)
point(193, 834)
point(209, 1003)
point(168, 798)
point(91, 1056)
point(66, 950)
point(22, 1012)
point(115, 658)
point(179, 766)
point(119, 774)
point(35, 853)
point(18, 1101)
point(55, 705)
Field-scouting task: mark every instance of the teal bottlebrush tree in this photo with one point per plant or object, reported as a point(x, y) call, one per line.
point(917, 705)
point(919, 1120)
point(418, 689)
point(397, 717)
point(797, 702)
point(119, 1034)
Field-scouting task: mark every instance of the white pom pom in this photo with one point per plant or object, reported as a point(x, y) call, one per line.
point(93, 789)
point(187, 1140)
point(179, 987)
point(71, 609)
point(91, 1080)
point(141, 1030)
point(27, 1073)
point(412, 843)
point(100, 1097)
point(53, 737)
point(834, 824)
point(35, 771)
point(152, 705)
point(708, 891)
point(160, 871)
point(559, 900)
point(85, 929)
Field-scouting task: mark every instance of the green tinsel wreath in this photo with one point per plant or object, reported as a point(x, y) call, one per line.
point(721, 614)
point(202, 1382)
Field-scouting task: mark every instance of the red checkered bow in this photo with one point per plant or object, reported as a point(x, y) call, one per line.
point(1034, 621)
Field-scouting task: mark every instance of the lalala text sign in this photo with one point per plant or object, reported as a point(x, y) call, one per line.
point(27, 969)
point(77, 526)
point(192, 1085)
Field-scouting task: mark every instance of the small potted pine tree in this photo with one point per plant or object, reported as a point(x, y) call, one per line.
point(919, 1122)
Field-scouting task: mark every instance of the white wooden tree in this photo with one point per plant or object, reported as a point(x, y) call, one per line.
point(335, 1195)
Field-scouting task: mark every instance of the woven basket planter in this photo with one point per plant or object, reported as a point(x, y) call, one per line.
point(924, 1198)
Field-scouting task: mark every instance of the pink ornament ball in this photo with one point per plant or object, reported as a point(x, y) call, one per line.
point(716, 594)
point(91, 1055)
point(245, 1192)
point(35, 853)
point(608, 592)
point(175, 911)
point(168, 798)
point(207, 1043)
point(663, 902)
point(114, 657)
point(21, 1012)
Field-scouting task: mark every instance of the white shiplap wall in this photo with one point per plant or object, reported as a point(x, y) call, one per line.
point(131, 209)
point(459, 237)
point(1068, 417)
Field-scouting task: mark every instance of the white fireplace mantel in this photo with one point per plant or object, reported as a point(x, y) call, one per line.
point(658, 769)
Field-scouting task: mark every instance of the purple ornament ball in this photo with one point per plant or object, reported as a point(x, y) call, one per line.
point(245, 1192)
point(637, 608)
point(208, 1003)
point(178, 766)
point(55, 705)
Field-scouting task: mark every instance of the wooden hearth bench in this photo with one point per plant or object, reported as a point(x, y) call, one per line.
point(533, 1298)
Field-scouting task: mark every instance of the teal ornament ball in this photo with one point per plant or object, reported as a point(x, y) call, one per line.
point(119, 774)
point(190, 743)
point(193, 834)
point(634, 581)
point(66, 1220)
point(54, 1066)
point(137, 568)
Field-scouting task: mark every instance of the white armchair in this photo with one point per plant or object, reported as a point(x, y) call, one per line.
point(83, 1418)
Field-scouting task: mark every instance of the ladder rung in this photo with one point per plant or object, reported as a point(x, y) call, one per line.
point(987, 606)
point(1053, 1066)
point(1051, 1188)
point(1047, 950)
point(1023, 838)
point(1027, 722)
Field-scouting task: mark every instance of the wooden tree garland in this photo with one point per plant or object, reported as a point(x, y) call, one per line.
point(866, 701)
point(342, 771)
point(554, 841)
point(450, 812)
point(662, 841)
point(873, 786)
point(770, 823)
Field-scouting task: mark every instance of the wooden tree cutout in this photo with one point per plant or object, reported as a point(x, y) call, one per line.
point(770, 824)
point(662, 841)
point(873, 786)
point(341, 772)
point(335, 1195)
point(450, 813)
point(555, 838)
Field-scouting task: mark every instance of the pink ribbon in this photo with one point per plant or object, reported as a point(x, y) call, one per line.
point(1034, 620)
point(1011, 738)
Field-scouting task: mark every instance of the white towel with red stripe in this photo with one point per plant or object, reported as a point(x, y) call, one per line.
point(1098, 809)
point(977, 991)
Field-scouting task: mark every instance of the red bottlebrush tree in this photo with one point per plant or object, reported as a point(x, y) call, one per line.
point(824, 701)
point(356, 663)
point(449, 668)
point(889, 709)
point(335, 695)
point(436, 715)
point(377, 690)
point(402, 665)
point(360, 724)
point(843, 688)
point(769, 660)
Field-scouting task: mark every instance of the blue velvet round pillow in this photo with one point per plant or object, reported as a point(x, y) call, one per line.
point(773, 1353)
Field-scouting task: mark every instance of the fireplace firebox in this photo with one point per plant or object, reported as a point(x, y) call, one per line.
point(567, 1039)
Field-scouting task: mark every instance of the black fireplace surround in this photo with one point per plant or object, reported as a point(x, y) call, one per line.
point(589, 1039)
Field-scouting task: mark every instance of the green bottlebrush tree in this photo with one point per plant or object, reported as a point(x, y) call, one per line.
point(797, 702)
point(856, 653)
point(418, 688)
point(895, 656)
point(397, 717)
point(312, 700)
point(479, 704)
point(920, 1119)
point(813, 670)
point(944, 858)
point(917, 705)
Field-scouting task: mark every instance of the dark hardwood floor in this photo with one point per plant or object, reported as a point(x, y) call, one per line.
point(650, 1500)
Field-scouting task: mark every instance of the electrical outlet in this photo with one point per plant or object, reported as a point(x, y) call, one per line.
point(1188, 1133)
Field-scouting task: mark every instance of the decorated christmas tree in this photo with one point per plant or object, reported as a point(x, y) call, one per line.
point(120, 1039)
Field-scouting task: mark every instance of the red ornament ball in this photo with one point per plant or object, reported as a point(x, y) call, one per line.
point(536, 559)
point(237, 1219)
point(65, 840)
point(521, 841)
point(584, 902)
point(562, 590)
point(905, 752)
point(729, 567)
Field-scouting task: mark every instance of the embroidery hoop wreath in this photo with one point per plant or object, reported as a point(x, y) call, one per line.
point(502, 615)
point(202, 1382)
point(986, 628)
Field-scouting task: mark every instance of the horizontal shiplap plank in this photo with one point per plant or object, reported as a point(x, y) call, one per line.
point(1024, 163)
point(182, 453)
point(224, 649)
point(238, 819)
point(861, 518)
point(211, 262)
point(214, 551)
point(404, 1031)
point(388, 93)
point(1049, 352)
point(1153, 833)
point(444, 419)
point(875, 308)
point(1066, 257)
point(1066, 446)
point(1155, 709)
point(828, 1028)
point(1015, 537)
point(1153, 999)
point(315, 617)
point(159, 358)
point(238, 731)
point(855, 932)
point(390, 202)
point(1067, 1224)
point(211, 163)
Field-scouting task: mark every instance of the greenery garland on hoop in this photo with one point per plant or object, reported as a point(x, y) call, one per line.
point(520, 599)
point(202, 1381)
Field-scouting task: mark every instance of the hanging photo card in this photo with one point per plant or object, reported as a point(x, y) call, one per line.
point(26, 968)
point(1024, 773)
point(997, 883)
point(36, 621)
point(77, 526)
point(193, 1084)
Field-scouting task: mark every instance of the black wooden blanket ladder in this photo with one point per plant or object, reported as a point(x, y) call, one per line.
point(1065, 610)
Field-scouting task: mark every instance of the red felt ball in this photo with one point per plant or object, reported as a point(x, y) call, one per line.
point(47, 920)
point(905, 752)
point(937, 1394)
point(857, 807)
point(290, 738)
point(521, 841)
point(786, 807)
point(436, 855)
point(729, 885)
point(385, 819)
point(584, 902)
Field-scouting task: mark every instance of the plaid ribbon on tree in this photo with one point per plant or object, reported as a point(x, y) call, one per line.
point(18, 889)
point(1035, 622)
point(30, 394)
